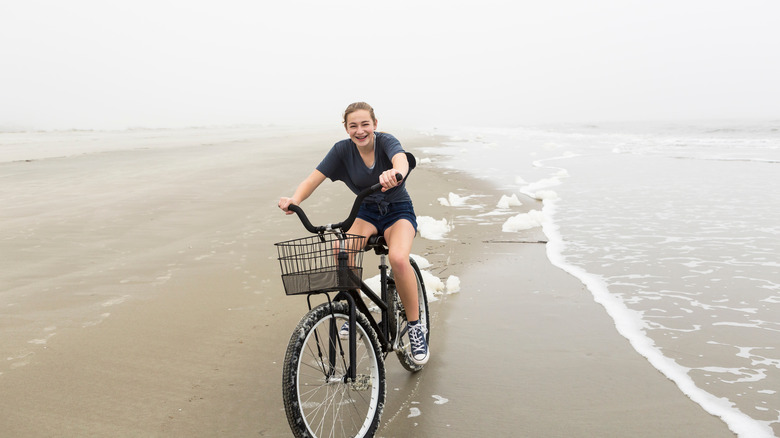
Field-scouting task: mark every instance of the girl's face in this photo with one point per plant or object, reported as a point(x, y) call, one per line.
point(360, 128)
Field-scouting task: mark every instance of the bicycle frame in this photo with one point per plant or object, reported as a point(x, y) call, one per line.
point(386, 339)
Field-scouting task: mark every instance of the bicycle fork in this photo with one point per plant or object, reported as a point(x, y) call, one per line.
point(352, 296)
point(383, 276)
point(343, 271)
point(352, 340)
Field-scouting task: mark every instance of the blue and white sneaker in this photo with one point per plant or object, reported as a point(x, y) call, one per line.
point(344, 331)
point(418, 344)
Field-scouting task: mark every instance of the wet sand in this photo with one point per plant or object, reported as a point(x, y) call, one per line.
point(140, 296)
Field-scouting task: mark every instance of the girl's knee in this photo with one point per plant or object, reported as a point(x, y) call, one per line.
point(399, 262)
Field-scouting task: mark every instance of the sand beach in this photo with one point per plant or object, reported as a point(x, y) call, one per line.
point(140, 296)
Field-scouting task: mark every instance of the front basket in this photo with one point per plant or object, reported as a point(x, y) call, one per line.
point(320, 263)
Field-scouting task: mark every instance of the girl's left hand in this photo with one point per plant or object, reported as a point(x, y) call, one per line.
point(387, 179)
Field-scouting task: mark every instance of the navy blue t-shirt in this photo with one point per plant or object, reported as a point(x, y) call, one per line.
point(344, 163)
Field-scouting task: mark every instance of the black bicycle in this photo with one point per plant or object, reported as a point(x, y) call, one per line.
point(334, 384)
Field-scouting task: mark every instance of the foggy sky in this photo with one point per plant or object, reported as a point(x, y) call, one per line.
point(98, 65)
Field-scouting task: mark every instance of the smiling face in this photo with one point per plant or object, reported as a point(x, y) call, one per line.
point(360, 127)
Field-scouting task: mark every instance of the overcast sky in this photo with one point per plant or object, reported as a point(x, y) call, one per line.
point(107, 64)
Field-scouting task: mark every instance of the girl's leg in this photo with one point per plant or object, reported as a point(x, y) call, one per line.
point(399, 237)
point(362, 228)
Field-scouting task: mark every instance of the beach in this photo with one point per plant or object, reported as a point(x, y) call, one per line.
point(140, 296)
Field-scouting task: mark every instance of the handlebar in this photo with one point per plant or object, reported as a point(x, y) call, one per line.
point(346, 224)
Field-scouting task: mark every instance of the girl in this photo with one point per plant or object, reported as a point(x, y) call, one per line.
point(360, 161)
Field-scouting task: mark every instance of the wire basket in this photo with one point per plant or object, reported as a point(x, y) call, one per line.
point(311, 264)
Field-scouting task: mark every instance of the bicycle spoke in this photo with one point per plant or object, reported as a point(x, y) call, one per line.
point(351, 404)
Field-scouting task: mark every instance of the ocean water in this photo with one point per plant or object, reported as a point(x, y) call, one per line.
point(674, 229)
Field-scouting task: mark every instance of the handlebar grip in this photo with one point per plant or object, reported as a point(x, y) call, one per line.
point(305, 220)
point(347, 224)
point(375, 188)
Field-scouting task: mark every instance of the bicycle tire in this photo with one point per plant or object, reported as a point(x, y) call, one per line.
point(399, 323)
point(318, 401)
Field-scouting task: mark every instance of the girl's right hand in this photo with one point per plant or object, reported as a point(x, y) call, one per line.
point(284, 204)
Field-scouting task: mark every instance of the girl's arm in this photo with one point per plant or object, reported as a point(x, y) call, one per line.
point(400, 165)
point(304, 190)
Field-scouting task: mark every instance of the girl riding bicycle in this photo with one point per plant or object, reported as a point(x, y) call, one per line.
point(360, 161)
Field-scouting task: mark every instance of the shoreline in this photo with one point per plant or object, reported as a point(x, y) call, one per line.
point(533, 355)
point(182, 262)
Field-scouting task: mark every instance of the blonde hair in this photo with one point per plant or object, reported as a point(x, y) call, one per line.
point(358, 106)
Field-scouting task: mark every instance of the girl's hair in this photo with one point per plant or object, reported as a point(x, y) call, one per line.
point(358, 106)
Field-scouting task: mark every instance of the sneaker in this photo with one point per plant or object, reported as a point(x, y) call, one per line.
point(344, 330)
point(418, 344)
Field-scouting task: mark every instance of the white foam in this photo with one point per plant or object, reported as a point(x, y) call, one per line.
point(431, 228)
point(544, 195)
point(541, 184)
point(439, 400)
point(421, 261)
point(743, 374)
point(433, 285)
point(373, 283)
point(494, 213)
point(453, 284)
point(115, 301)
point(453, 200)
point(545, 183)
point(41, 341)
point(508, 201)
point(523, 221)
point(95, 322)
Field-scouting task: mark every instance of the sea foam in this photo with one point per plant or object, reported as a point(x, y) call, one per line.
point(431, 228)
point(453, 200)
point(508, 201)
point(523, 221)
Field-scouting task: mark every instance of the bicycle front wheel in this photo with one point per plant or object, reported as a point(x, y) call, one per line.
point(319, 399)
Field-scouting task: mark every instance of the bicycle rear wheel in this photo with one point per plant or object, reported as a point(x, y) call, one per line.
point(400, 324)
point(318, 398)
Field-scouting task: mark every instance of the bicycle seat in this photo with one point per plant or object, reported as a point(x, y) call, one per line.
point(377, 243)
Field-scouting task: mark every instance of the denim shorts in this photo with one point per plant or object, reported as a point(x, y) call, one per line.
point(384, 215)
